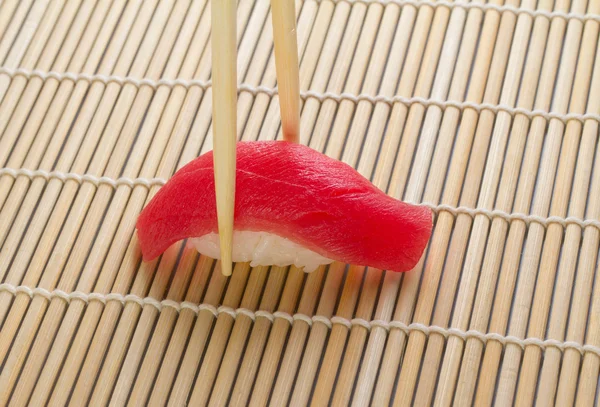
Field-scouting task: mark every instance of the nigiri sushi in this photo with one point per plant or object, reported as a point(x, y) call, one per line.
point(293, 206)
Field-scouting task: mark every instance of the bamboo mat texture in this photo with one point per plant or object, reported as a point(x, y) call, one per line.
point(487, 112)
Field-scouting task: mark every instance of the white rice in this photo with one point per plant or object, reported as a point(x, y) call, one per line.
point(261, 249)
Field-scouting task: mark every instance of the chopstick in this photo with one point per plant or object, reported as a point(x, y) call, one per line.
point(286, 64)
point(224, 96)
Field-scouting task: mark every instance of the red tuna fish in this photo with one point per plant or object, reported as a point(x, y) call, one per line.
point(297, 193)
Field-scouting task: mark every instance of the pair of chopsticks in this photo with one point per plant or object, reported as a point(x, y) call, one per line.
point(224, 94)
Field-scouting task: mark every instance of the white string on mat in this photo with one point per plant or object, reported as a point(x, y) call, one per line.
point(81, 178)
point(437, 208)
point(468, 6)
point(105, 79)
point(329, 322)
point(255, 90)
point(509, 217)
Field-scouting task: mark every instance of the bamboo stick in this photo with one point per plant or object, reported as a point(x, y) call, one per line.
point(381, 110)
point(547, 261)
point(517, 230)
point(6, 261)
point(35, 100)
point(147, 344)
point(12, 24)
point(508, 272)
point(447, 56)
point(216, 347)
point(130, 369)
point(133, 357)
point(287, 296)
point(224, 77)
point(350, 294)
point(408, 144)
point(181, 128)
point(318, 335)
point(142, 284)
point(156, 289)
point(415, 186)
point(354, 342)
point(286, 59)
point(21, 93)
point(199, 334)
point(476, 140)
point(181, 331)
point(101, 38)
point(256, 342)
point(78, 25)
point(474, 255)
point(351, 151)
point(564, 283)
point(580, 164)
point(58, 262)
point(227, 372)
point(241, 390)
point(67, 266)
point(575, 330)
point(588, 384)
point(373, 74)
point(150, 359)
point(313, 14)
point(223, 322)
point(55, 348)
point(356, 71)
point(245, 51)
point(337, 337)
point(350, 65)
point(165, 326)
point(7, 14)
point(27, 206)
point(307, 369)
point(215, 354)
point(258, 339)
point(56, 124)
point(271, 126)
point(157, 148)
point(525, 287)
point(363, 66)
point(333, 82)
point(15, 359)
point(26, 36)
point(506, 193)
point(287, 371)
point(326, 43)
point(277, 338)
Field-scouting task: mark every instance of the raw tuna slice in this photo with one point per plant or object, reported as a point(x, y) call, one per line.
point(295, 193)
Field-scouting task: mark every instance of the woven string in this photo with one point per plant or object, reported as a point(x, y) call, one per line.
point(255, 90)
point(437, 208)
point(468, 6)
point(329, 322)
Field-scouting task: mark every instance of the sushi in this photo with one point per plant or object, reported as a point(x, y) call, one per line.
point(293, 206)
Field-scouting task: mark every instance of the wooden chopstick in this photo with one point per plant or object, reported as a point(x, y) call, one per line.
point(286, 64)
point(224, 96)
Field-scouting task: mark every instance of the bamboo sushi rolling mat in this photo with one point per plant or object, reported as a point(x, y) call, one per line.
point(486, 112)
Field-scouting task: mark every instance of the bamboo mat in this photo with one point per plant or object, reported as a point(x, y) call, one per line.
point(486, 112)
